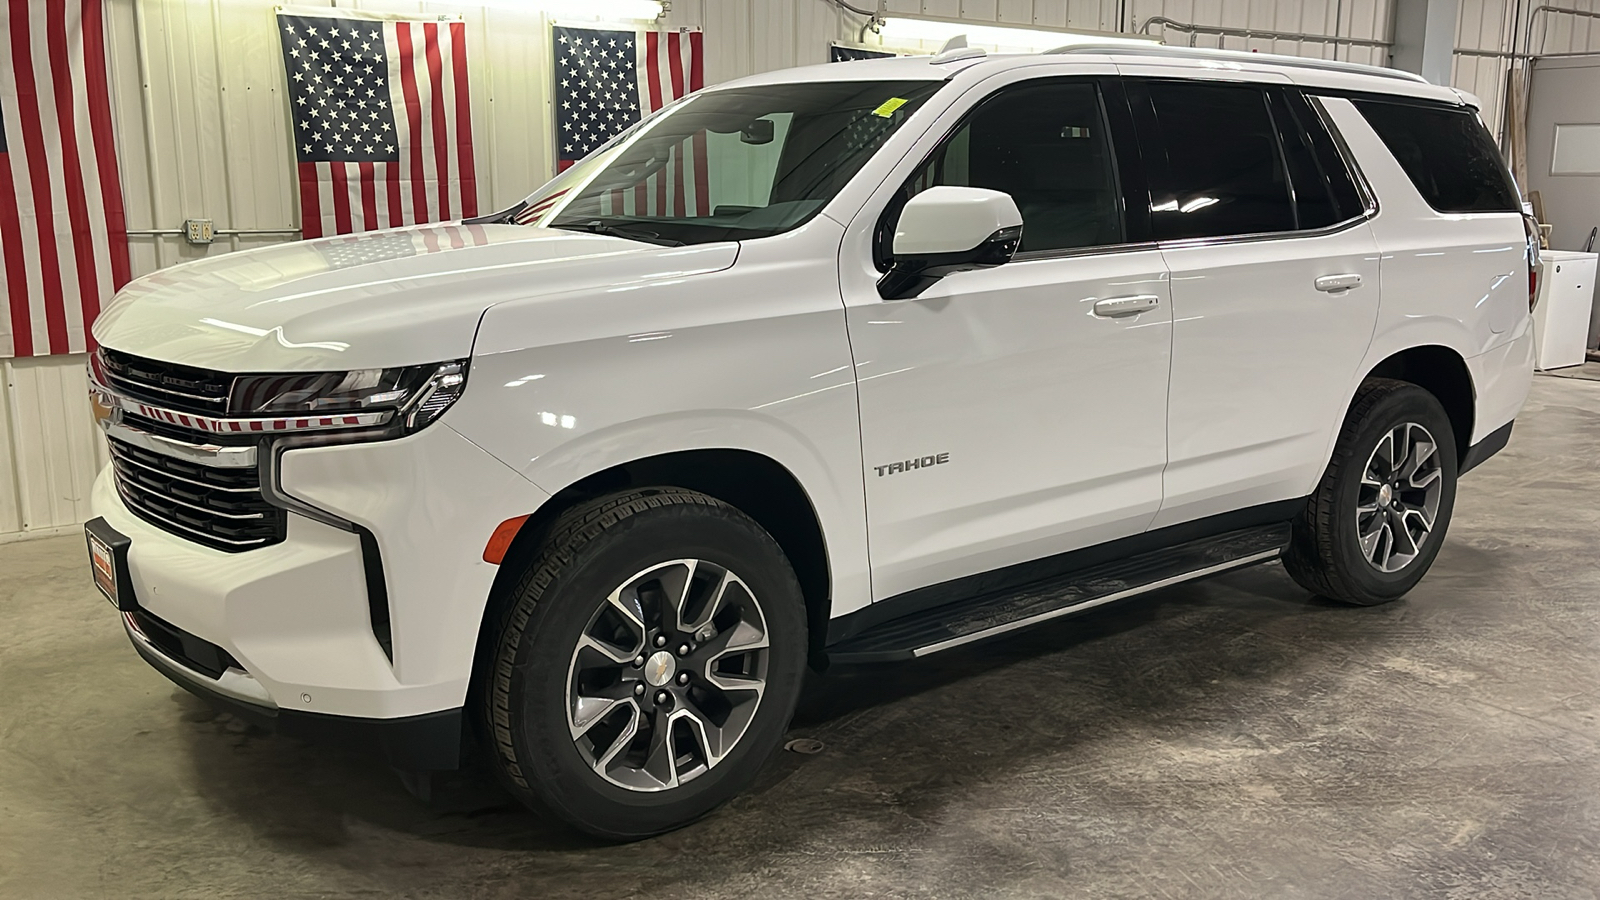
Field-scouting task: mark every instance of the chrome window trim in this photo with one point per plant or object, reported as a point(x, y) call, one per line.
point(1079, 252)
point(1325, 231)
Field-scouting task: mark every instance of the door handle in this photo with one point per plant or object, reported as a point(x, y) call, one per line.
point(1333, 284)
point(1117, 307)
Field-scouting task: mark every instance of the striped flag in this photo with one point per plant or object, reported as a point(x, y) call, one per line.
point(608, 80)
point(838, 52)
point(382, 119)
point(63, 235)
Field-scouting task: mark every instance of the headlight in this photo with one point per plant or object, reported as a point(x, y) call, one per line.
point(416, 395)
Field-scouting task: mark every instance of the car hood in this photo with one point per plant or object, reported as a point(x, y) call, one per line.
point(389, 298)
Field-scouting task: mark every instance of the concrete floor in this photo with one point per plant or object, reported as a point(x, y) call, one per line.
point(1235, 738)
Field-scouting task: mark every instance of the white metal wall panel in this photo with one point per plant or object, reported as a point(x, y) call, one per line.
point(10, 508)
point(56, 450)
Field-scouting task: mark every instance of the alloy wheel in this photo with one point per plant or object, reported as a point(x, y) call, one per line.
point(1398, 499)
point(667, 675)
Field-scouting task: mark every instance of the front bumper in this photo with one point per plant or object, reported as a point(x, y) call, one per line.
point(295, 616)
point(429, 742)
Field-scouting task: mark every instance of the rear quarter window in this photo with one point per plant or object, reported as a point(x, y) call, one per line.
point(1447, 153)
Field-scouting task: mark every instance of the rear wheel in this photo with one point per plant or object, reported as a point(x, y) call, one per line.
point(1378, 517)
point(648, 664)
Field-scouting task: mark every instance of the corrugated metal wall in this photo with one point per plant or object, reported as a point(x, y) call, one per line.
point(49, 449)
point(1490, 30)
point(203, 133)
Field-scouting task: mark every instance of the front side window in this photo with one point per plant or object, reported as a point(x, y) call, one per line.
point(1447, 154)
point(1213, 161)
point(1047, 146)
point(734, 164)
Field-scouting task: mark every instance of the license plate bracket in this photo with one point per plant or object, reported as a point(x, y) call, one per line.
point(108, 562)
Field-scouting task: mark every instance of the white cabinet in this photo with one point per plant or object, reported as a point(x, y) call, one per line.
point(1561, 318)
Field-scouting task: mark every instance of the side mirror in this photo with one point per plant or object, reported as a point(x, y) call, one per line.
point(950, 229)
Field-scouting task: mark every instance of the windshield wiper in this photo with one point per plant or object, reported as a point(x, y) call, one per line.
point(624, 230)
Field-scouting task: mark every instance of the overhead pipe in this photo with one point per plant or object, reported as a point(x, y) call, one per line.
point(1258, 34)
point(1527, 43)
point(875, 17)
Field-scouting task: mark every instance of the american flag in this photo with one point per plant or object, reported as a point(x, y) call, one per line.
point(382, 120)
point(63, 238)
point(844, 53)
point(608, 80)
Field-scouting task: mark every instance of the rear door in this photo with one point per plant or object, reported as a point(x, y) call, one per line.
point(1274, 287)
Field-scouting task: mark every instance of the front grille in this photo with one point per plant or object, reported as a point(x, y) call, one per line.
point(221, 508)
point(167, 385)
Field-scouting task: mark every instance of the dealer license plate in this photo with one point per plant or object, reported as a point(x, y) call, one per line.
point(107, 563)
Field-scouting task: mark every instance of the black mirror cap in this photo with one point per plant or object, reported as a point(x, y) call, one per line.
point(909, 276)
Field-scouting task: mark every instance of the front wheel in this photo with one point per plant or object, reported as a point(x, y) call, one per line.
point(647, 665)
point(1376, 521)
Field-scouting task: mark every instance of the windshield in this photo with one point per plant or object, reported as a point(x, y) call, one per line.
point(730, 164)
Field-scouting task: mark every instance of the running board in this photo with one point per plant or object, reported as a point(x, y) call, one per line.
point(987, 616)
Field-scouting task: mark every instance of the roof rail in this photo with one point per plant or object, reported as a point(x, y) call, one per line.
point(1167, 51)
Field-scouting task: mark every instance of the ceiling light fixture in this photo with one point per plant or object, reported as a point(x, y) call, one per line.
point(600, 10)
point(898, 30)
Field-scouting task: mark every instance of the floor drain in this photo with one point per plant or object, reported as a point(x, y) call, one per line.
point(808, 746)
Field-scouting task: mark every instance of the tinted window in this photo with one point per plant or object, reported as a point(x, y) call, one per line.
point(1331, 166)
point(1447, 153)
point(1314, 203)
point(1045, 145)
point(1213, 162)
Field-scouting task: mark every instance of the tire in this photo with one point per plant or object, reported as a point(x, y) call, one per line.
point(562, 692)
point(1327, 554)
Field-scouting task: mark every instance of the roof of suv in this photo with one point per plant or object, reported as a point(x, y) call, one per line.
point(1315, 73)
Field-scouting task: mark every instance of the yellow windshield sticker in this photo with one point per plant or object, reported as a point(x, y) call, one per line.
point(889, 106)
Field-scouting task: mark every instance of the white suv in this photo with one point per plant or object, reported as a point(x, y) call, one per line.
point(848, 363)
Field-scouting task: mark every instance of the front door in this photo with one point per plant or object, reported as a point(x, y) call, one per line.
point(1011, 413)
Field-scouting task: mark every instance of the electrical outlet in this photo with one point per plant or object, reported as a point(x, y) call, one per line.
point(199, 231)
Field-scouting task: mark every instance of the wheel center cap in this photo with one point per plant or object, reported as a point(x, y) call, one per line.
point(1385, 495)
point(659, 668)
